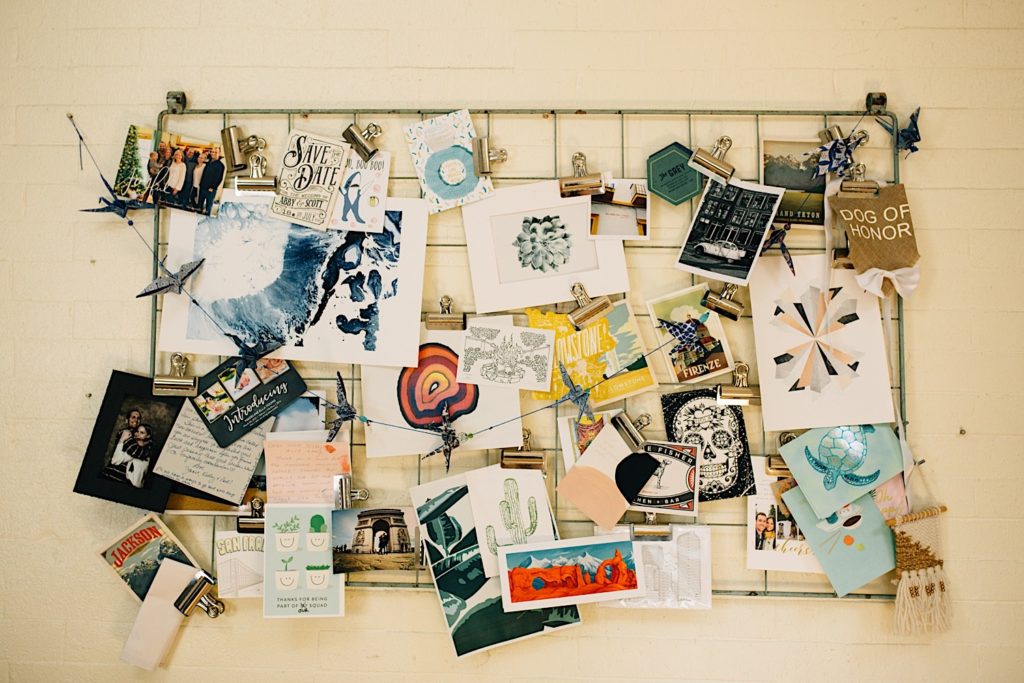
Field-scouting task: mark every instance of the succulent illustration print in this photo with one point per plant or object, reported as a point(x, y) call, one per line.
point(544, 243)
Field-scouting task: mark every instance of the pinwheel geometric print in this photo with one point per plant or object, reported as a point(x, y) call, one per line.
point(817, 361)
point(819, 344)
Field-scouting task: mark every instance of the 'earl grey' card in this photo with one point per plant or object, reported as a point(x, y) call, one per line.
point(233, 406)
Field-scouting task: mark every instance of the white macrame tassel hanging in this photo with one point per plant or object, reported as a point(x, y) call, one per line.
point(923, 604)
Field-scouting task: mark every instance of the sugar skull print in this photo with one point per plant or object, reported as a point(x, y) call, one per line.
point(719, 433)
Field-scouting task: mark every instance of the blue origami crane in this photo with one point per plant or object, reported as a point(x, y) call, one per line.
point(171, 283)
point(837, 156)
point(249, 355)
point(450, 439)
point(906, 137)
point(576, 395)
point(343, 410)
point(685, 333)
point(777, 238)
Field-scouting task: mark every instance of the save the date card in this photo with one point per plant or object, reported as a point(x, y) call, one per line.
point(233, 405)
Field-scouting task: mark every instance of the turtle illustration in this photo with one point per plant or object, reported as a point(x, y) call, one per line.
point(840, 452)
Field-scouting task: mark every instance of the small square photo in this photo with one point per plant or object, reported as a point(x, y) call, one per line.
point(269, 368)
point(214, 402)
point(237, 388)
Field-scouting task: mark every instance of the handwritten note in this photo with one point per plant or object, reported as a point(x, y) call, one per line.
point(303, 471)
point(193, 457)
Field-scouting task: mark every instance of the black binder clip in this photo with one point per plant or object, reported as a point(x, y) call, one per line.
point(254, 523)
point(580, 183)
point(523, 457)
point(362, 140)
point(588, 310)
point(739, 393)
point(713, 164)
point(484, 155)
point(178, 383)
point(444, 319)
point(723, 302)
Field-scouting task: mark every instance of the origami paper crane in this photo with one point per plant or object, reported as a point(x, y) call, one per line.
point(343, 410)
point(906, 137)
point(685, 332)
point(171, 283)
point(837, 156)
point(248, 355)
point(777, 238)
point(576, 395)
point(450, 439)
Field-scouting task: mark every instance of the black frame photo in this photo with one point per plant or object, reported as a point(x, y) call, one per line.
point(127, 439)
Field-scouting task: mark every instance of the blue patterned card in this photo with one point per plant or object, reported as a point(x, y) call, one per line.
point(442, 152)
point(853, 545)
point(836, 465)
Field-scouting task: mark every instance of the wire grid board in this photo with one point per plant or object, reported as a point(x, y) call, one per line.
point(540, 145)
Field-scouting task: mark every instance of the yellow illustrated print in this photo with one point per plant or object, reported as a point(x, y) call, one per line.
point(582, 353)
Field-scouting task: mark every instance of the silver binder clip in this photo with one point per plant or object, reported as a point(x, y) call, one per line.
point(178, 383)
point(650, 530)
point(775, 465)
point(739, 393)
point(344, 494)
point(830, 134)
point(237, 148)
point(723, 302)
point(581, 182)
point(713, 164)
point(588, 310)
point(258, 181)
point(523, 457)
point(854, 185)
point(362, 140)
point(199, 593)
point(254, 523)
point(484, 155)
point(630, 430)
point(444, 319)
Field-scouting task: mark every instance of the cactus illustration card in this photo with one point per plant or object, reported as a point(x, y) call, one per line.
point(506, 356)
point(297, 576)
point(691, 337)
point(510, 507)
point(442, 153)
point(836, 465)
point(854, 544)
point(471, 602)
point(527, 247)
point(374, 538)
point(362, 190)
point(569, 572)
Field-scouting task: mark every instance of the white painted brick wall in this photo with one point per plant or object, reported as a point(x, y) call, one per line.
point(68, 315)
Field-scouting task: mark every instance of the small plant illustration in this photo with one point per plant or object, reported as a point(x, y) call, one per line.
point(317, 525)
point(510, 517)
point(289, 526)
point(286, 562)
point(543, 244)
point(317, 567)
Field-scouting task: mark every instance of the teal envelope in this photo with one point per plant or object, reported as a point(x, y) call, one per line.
point(836, 465)
point(853, 545)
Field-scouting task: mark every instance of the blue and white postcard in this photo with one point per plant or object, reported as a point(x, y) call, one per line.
point(361, 194)
point(854, 545)
point(836, 465)
point(297, 578)
point(442, 152)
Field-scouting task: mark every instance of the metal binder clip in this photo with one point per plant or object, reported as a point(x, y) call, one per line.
point(362, 140)
point(237, 148)
point(830, 134)
point(484, 155)
point(855, 185)
point(523, 457)
point(177, 383)
point(650, 530)
point(740, 393)
point(713, 164)
point(581, 182)
point(254, 523)
point(723, 302)
point(630, 430)
point(444, 319)
point(874, 103)
point(344, 494)
point(775, 465)
point(589, 310)
point(199, 593)
point(258, 181)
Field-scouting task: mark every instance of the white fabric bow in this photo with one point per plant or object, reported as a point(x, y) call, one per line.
point(904, 279)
